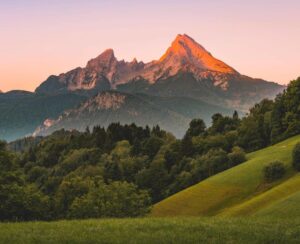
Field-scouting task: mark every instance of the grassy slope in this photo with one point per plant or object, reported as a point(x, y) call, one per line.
point(238, 191)
point(154, 230)
point(288, 207)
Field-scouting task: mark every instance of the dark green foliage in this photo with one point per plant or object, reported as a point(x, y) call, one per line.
point(286, 113)
point(221, 124)
point(237, 156)
point(296, 157)
point(151, 146)
point(274, 171)
point(215, 160)
point(19, 201)
point(187, 147)
point(255, 129)
point(118, 199)
point(196, 128)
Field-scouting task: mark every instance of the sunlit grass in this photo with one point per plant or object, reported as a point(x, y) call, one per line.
point(154, 230)
point(238, 191)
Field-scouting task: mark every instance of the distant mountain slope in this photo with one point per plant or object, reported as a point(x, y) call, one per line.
point(190, 108)
point(240, 190)
point(186, 69)
point(21, 112)
point(242, 94)
point(172, 114)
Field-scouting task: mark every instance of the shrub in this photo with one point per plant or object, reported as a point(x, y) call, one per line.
point(274, 171)
point(117, 199)
point(237, 156)
point(296, 157)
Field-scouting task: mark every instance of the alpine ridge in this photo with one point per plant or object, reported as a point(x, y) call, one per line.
point(106, 72)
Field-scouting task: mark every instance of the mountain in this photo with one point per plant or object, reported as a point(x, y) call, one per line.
point(186, 75)
point(173, 114)
point(186, 69)
point(101, 73)
point(185, 55)
point(15, 94)
point(21, 112)
point(105, 71)
point(242, 94)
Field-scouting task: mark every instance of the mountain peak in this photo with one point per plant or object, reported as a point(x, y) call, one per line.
point(104, 59)
point(186, 51)
point(134, 61)
point(108, 53)
point(184, 38)
point(183, 45)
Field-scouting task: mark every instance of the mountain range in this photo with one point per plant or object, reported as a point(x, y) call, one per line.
point(186, 82)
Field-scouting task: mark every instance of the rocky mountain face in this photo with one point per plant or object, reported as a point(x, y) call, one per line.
point(185, 83)
point(185, 67)
point(101, 73)
point(173, 114)
point(105, 71)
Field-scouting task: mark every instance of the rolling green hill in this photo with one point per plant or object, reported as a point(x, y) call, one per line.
point(241, 190)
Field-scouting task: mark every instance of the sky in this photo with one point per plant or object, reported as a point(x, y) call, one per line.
point(38, 38)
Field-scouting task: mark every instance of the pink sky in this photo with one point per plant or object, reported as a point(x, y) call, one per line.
point(40, 38)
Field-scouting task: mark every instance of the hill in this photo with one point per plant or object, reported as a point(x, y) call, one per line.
point(241, 190)
point(172, 114)
point(22, 112)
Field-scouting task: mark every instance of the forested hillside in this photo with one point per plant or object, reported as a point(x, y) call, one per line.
point(122, 170)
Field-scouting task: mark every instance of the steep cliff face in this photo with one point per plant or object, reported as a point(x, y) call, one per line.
point(187, 56)
point(184, 55)
point(101, 73)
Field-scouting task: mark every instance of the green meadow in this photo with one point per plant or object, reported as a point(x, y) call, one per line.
point(241, 191)
point(155, 230)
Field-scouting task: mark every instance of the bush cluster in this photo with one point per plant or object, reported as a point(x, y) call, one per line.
point(296, 157)
point(274, 171)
